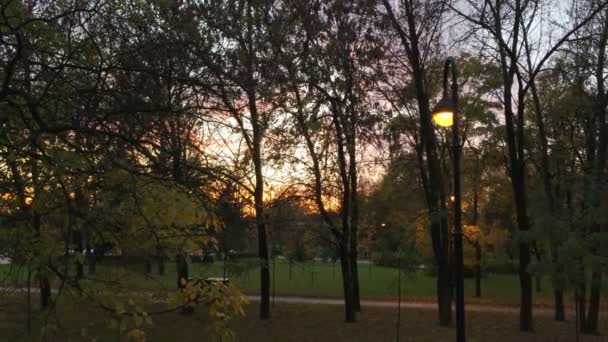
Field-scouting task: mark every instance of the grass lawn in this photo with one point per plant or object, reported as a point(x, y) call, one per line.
point(294, 323)
point(321, 279)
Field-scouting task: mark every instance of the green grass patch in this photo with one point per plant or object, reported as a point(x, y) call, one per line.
point(311, 278)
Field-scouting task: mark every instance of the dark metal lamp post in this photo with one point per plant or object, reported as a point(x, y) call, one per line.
point(446, 114)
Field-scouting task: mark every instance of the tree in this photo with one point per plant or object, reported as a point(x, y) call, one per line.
point(510, 27)
point(394, 203)
point(327, 80)
point(414, 25)
point(81, 153)
point(235, 55)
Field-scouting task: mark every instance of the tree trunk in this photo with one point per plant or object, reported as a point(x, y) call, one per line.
point(525, 278)
point(477, 269)
point(558, 294)
point(262, 246)
point(91, 259)
point(445, 285)
point(355, 280)
point(477, 243)
point(45, 284)
point(345, 237)
point(183, 277)
point(45, 292)
point(80, 249)
point(559, 313)
point(354, 217)
point(160, 260)
point(29, 300)
point(581, 313)
point(347, 283)
point(599, 170)
point(259, 211)
point(594, 302)
point(517, 174)
point(525, 283)
point(147, 266)
point(445, 292)
point(181, 265)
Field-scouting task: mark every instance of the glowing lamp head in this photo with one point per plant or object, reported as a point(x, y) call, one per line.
point(444, 119)
point(443, 113)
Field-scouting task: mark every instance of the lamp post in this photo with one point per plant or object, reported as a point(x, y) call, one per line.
point(445, 114)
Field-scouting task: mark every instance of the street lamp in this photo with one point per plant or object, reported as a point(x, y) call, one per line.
point(445, 114)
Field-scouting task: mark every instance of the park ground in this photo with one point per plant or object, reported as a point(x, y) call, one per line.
point(299, 323)
point(308, 321)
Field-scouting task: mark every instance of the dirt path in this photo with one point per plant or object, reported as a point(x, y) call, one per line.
point(404, 304)
point(366, 303)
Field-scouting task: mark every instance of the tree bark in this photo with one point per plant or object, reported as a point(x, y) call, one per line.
point(599, 171)
point(477, 269)
point(354, 213)
point(593, 314)
point(45, 292)
point(582, 313)
point(355, 278)
point(264, 264)
point(160, 262)
point(525, 282)
point(445, 292)
point(256, 155)
point(477, 242)
point(349, 310)
point(80, 249)
point(181, 265)
point(183, 277)
point(45, 284)
point(345, 237)
point(91, 259)
point(558, 302)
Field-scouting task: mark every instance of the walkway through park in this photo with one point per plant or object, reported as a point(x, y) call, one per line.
point(404, 304)
point(490, 308)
